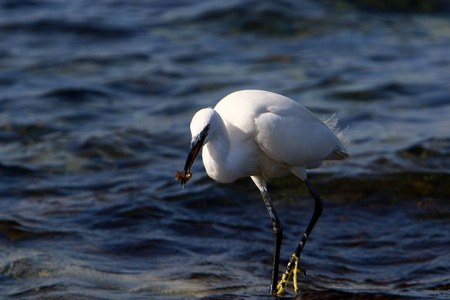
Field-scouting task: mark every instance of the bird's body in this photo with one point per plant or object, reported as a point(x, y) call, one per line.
point(264, 135)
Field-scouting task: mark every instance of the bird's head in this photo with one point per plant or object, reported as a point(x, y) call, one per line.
point(200, 130)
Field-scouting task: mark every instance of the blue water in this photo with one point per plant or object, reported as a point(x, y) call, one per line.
point(95, 103)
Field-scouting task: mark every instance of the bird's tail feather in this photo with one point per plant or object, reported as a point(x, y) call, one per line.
point(338, 153)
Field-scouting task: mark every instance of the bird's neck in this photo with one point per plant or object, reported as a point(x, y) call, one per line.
point(229, 155)
point(219, 142)
point(216, 154)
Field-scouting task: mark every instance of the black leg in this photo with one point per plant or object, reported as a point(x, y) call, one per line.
point(318, 208)
point(293, 265)
point(278, 232)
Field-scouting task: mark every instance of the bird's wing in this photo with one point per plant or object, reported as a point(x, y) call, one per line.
point(284, 130)
point(295, 136)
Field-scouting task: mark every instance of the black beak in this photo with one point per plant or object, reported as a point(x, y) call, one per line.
point(196, 145)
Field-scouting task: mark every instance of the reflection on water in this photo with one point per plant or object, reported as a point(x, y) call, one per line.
point(95, 102)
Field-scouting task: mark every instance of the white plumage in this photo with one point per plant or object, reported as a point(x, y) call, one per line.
point(263, 134)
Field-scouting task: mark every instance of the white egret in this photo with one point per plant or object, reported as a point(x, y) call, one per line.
point(264, 135)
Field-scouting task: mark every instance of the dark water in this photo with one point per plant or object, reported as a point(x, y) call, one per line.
point(95, 102)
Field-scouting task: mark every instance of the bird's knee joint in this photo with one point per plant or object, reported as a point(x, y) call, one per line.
point(277, 230)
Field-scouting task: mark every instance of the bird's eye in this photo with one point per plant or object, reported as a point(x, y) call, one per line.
point(206, 128)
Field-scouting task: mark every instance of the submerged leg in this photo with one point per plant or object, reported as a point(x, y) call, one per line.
point(294, 262)
point(278, 233)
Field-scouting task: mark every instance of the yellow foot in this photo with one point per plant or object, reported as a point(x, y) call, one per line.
point(293, 267)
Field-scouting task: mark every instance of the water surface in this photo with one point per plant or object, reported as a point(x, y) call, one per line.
point(95, 105)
